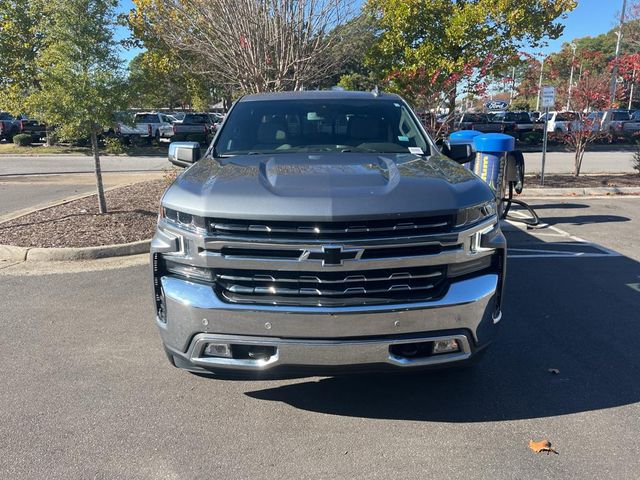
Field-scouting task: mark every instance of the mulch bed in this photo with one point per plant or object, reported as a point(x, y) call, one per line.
point(590, 181)
point(132, 215)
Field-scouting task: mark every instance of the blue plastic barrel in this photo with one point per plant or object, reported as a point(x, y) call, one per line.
point(462, 137)
point(490, 153)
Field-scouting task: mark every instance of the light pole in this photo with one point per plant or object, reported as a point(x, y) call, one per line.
point(614, 70)
point(633, 79)
point(540, 86)
point(573, 61)
point(513, 85)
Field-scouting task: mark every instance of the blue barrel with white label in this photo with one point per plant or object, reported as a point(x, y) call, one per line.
point(462, 137)
point(491, 157)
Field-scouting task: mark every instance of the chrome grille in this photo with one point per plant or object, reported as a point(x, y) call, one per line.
point(331, 288)
point(330, 230)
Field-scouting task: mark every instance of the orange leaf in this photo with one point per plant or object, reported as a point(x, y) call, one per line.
point(541, 446)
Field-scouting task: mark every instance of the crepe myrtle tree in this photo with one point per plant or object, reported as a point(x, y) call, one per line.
point(430, 91)
point(590, 93)
point(80, 78)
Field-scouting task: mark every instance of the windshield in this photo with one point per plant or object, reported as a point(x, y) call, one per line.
point(146, 118)
point(196, 118)
point(341, 125)
point(566, 117)
point(620, 116)
point(519, 117)
point(474, 117)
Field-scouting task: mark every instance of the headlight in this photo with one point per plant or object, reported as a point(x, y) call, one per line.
point(476, 214)
point(188, 271)
point(184, 220)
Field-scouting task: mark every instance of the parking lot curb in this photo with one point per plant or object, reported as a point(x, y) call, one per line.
point(13, 253)
point(87, 253)
point(579, 191)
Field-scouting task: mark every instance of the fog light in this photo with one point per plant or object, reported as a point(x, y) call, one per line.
point(445, 346)
point(217, 350)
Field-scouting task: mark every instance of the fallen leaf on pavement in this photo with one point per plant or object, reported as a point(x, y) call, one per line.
point(542, 446)
point(555, 371)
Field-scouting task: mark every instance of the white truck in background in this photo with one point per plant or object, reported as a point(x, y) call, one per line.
point(146, 125)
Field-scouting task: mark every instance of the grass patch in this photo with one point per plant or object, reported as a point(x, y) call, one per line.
point(12, 149)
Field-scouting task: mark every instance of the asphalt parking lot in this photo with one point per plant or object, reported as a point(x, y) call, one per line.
point(87, 392)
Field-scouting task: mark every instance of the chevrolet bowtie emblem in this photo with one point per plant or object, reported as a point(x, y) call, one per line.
point(332, 255)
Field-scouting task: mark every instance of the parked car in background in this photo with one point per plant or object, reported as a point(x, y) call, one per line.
point(11, 126)
point(8, 126)
point(535, 115)
point(36, 129)
point(517, 123)
point(195, 126)
point(177, 115)
point(560, 122)
point(216, 121)
point(476, 121)
point(612, 121)
point(146, 125)
point(631, 128)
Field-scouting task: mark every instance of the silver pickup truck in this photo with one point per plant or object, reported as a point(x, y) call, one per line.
point(631, 128)
point(195, 126)
point(324, 232)
point(149, 126)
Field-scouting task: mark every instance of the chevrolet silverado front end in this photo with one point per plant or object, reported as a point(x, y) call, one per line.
point(324, 232)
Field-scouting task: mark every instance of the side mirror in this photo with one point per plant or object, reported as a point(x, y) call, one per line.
point(183, 154)
point(461, 153)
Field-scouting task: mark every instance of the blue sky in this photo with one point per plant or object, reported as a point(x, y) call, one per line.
point(121, 32)
point(590, 17)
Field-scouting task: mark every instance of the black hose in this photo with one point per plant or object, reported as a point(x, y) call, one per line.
point(508, 201)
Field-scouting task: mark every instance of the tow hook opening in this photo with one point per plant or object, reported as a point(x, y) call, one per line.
point(412, 351)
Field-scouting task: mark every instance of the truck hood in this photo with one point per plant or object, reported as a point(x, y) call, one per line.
point(325, 187)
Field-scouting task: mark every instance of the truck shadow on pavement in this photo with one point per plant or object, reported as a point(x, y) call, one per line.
point(586, 219)
point(577, 315)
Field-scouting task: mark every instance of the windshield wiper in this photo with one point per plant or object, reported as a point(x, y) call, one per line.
point(358, 149)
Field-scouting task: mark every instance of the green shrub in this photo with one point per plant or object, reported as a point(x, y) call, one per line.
point(531, 138)
point(113, 145)
point(22, 139)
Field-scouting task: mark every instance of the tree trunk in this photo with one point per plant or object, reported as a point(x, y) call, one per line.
point(578, 161)
point(452, 100)
point(102, 203)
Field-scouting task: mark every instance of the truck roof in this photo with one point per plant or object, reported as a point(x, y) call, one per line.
point(320, 95)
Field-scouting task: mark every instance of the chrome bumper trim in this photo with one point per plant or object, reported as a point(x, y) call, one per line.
point(322, 353)
point(195, 308)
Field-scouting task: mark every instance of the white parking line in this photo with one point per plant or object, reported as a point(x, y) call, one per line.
point(549, 252)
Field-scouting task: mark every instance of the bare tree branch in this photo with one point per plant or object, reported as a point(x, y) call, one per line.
point(255, 45)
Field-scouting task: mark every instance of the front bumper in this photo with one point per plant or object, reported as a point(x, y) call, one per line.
point(326, 339)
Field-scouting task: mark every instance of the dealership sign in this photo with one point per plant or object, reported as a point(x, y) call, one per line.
point(496, 105)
